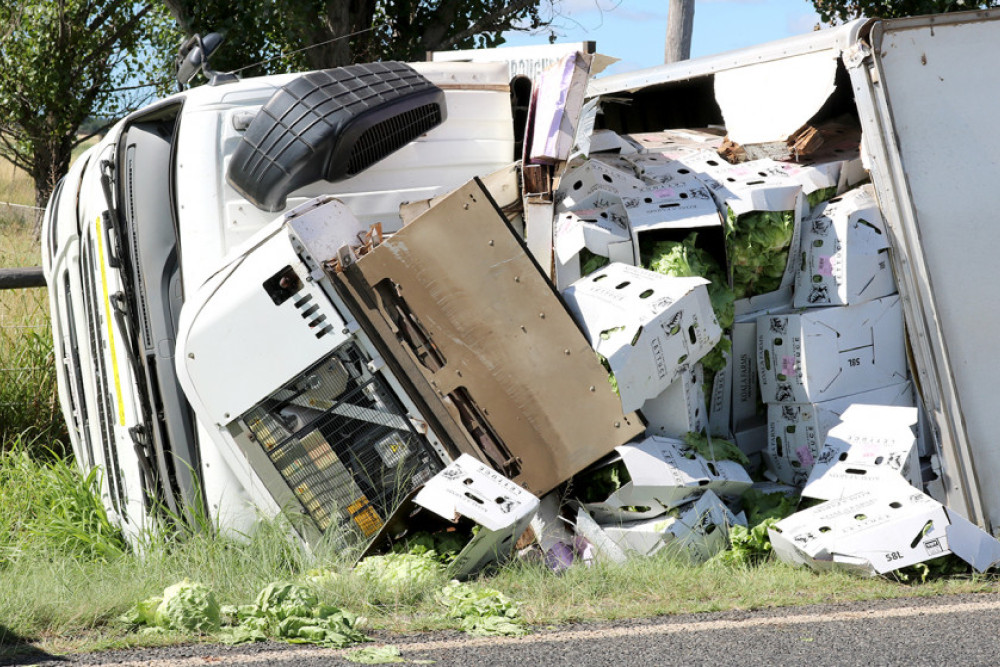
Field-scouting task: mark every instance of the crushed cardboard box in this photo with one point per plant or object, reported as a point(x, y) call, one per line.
point(598, 226)
point(687, 206)
point(874, 532)
point(797, 431)
point(680, 409)
point(830, 353)
point(591, 177)
point(737, 409)
point(663, 473)
point(845, 253)
point(874, 447)
point(677, 143)
point(649, 327)
point(465, 494)
point(695, 532)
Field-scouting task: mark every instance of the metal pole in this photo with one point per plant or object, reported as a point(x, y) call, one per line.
point(21, 278)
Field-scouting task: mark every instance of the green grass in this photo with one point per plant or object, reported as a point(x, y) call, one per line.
point(28, 400)
point(65, 574)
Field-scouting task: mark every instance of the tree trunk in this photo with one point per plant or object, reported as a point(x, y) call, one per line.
point(680, 24)
point(51, 163)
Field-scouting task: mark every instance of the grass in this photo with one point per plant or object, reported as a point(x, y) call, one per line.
point(66, 574)
point(28, 400)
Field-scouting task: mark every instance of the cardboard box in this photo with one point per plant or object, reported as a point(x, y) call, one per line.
point(829, 353)
point(693, 533)
point(797, 431)
point(844, 253)
point(737, 410)
point(664, 473)
point(819, 180)
point(680, 408)
point(874, 533)
point(592, 176)
point(657, 169)
point(558, 98)
point(465, 494)
point(648, 326)
point(600, 225)
point(677, 143)
point(874, 447)
point(685, 206)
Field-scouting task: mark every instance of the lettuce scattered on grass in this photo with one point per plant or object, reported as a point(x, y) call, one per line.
point(186, 606)
point(749, 547)
point(482, 611)
point(400, 571)
point(293, 613)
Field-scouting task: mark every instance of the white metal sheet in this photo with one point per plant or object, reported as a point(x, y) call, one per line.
point(940, 95)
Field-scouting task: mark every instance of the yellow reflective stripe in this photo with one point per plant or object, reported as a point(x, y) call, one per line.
point(107, 317)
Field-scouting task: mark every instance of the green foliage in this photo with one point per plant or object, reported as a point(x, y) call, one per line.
point(757, 245)
point(443, 546)
point(275, 36)
point(716, 450)
point(49, 508)
point(29, 403)
point(63, 62)
point(482, 611)
point(749, 546)
point(840, 11)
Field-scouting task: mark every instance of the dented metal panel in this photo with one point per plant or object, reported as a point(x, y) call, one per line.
point(468, 317)
point(926, 101)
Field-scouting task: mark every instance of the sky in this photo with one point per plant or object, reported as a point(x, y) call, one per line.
point(634, 30)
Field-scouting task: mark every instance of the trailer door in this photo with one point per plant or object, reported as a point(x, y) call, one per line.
point(926, 90)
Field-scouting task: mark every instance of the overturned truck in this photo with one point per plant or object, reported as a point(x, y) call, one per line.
point(342, 295)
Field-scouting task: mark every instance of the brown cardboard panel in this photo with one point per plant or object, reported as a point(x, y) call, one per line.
point(490, 337)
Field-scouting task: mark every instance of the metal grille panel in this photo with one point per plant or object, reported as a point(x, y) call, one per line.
point(342, 443)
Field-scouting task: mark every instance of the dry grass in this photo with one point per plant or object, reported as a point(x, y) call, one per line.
point(28, 401)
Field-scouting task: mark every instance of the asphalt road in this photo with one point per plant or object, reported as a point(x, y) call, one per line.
point(952, 630)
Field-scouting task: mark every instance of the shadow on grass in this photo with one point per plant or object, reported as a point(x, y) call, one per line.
point(15, 650)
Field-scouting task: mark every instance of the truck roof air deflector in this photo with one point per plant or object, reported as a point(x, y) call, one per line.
point(330, 125)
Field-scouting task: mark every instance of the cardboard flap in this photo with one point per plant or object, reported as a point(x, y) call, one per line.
point(971, 543)
point(770, 101)
point(591, 177)
point(471, 489)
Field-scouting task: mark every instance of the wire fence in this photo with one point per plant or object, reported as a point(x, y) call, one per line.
point(29, 405)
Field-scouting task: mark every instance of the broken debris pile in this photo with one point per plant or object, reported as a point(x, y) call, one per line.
point(747, 312)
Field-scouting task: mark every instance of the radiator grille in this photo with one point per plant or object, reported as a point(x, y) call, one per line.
point(341, 441)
